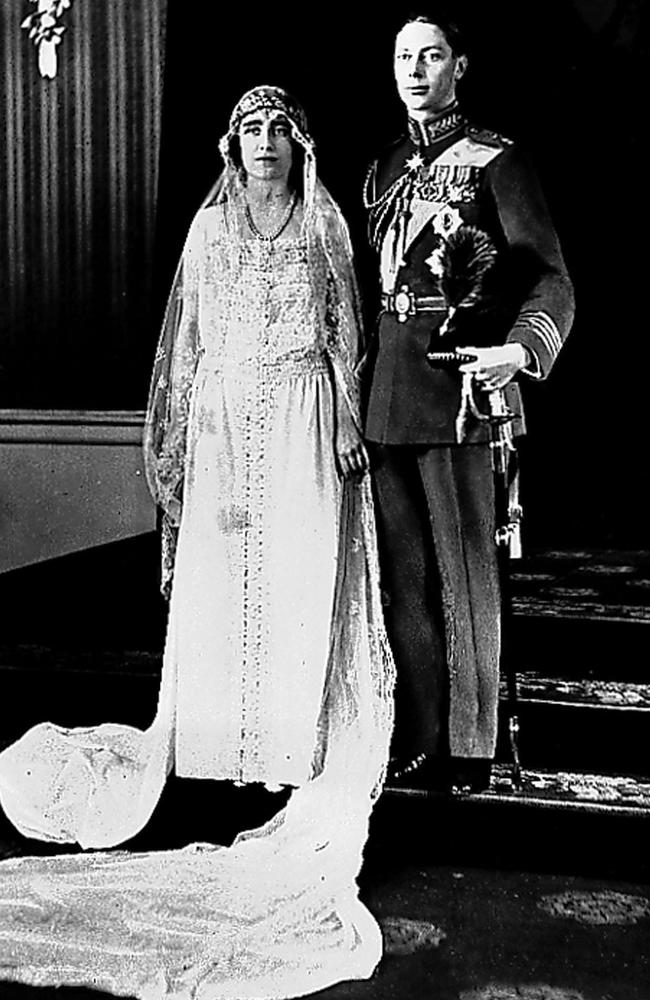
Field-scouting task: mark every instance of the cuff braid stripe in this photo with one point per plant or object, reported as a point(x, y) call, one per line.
point(541, 324)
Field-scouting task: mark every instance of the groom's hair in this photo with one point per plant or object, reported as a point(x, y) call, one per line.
point(450, 27)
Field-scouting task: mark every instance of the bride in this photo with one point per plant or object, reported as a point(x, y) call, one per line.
point(276, 665)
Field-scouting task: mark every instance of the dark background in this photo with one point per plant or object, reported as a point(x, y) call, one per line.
point(564, 78)
point(567, 79)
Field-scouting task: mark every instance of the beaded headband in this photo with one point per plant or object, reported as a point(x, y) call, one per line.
point(269, 99)
point(275, 101)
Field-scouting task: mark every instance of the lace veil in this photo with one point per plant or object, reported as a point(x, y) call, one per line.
point(277, 914)
point(179, 347)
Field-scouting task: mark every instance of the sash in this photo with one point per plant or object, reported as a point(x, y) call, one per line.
point(451, 178)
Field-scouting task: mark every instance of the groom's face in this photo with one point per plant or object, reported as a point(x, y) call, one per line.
point(426, 69)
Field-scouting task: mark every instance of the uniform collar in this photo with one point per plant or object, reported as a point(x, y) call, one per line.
point(444, 123)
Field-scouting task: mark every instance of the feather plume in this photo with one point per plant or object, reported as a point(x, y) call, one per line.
point(468, 257)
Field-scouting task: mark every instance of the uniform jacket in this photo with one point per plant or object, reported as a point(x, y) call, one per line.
point(440, 177)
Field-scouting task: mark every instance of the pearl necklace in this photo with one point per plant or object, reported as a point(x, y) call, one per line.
point(284, 222)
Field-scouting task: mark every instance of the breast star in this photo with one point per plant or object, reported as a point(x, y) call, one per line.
point(415, 162)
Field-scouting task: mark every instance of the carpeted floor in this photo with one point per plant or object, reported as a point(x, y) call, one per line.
point(474, 934)
point(512, 935)
point(480, 899)
point(460, 920)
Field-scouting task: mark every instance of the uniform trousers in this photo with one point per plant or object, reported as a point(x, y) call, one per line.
point(436, 524)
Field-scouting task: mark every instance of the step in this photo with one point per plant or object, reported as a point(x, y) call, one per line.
point(74, 698)
point(536, 688)
point(613, 794)
point(579, 724)
point(569, 723)
point(571, 823)
point(602, 586)
point(582, 648)
point(565, 723)
point(563, 564)
point(574, 604)
point(582, 614)
point(65, 659)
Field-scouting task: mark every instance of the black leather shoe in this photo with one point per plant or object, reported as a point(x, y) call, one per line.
point(469, 775)
point(423, 772)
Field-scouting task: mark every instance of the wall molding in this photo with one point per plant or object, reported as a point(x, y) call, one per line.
point(101, 427)
point(72, 480)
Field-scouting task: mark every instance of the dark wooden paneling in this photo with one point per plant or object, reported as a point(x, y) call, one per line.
point(78, 206)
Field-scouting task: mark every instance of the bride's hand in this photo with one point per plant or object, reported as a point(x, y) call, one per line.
point(173, 510)
point(351, 454)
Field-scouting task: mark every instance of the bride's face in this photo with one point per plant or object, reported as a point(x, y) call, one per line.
point(265, 140)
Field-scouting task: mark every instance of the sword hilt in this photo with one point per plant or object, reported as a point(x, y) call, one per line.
point(449, 359)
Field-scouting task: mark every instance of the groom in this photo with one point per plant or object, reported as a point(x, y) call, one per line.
point(443, 192)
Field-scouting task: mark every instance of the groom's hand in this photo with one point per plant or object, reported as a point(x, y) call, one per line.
point(494, 367)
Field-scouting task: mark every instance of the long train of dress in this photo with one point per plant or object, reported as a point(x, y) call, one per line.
point(277, 914)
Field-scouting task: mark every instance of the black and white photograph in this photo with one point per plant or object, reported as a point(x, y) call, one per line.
point(324, 503)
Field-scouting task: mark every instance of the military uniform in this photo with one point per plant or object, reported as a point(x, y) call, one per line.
point(434, 489)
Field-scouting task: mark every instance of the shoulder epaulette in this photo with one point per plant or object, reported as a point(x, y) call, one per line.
point(486, 137)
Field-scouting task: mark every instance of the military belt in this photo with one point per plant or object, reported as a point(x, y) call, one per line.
point(404, 303)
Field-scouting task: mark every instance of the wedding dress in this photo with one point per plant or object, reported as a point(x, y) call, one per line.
point(276, 665)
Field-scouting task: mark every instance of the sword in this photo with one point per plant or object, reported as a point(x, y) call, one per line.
point(508, 520)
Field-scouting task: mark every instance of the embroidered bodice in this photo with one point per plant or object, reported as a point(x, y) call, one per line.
point(261, 305)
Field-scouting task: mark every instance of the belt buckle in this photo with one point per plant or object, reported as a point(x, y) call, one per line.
point(404, 304)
